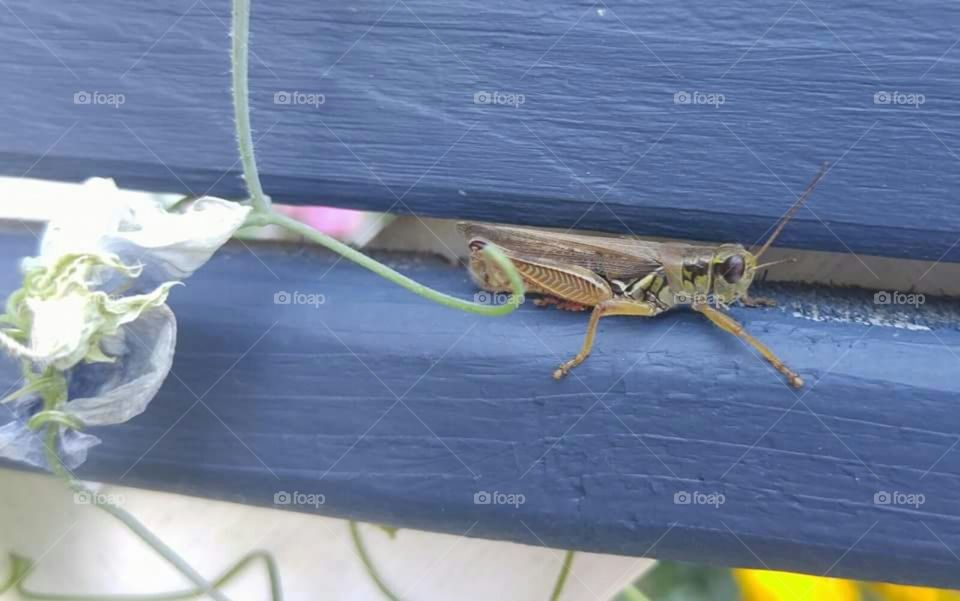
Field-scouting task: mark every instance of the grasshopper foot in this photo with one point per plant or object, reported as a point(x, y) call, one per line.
point(565, 368)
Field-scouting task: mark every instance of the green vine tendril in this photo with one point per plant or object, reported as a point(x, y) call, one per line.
point(374, 575)
point(241, 103)
point(632, 593)
point(492, 252)
point(51, 420)
point(20, 567)
point(368, 566)
point(263, 214)
point(562, 576)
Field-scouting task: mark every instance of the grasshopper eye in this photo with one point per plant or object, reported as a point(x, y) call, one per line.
point(731, 269)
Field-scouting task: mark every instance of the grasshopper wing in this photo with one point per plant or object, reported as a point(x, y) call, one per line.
point(612, 257)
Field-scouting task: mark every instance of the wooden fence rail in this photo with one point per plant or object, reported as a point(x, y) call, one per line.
point(698, 120)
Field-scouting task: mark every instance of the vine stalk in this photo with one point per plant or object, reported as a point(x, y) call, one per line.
point(50, 420)
point(494, 253)
point(241, 102)
point(374, 575)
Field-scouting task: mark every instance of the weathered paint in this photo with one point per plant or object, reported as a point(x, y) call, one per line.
point(404, 124)
point(400, 411)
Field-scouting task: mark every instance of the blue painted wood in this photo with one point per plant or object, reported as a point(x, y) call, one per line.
point(400, 129)
point(399, 411)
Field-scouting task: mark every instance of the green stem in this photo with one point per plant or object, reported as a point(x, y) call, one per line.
point(18, 570)
point(632, 593)
point(562, 576)
point(51, 419)
point(30, 388)
point(241, 102)
point(368, 564)
point(492, 252)
point(53, 416)
point(264, 215)
point(21, 567)
point(374, 575)
point(141, 531)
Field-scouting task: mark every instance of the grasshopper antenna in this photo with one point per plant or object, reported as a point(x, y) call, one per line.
point(787, 260)
point(793, 209)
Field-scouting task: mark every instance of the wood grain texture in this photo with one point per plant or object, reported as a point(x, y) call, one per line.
point(400, 129)
point(398, 411)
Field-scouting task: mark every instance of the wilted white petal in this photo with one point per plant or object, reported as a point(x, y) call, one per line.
point(62, 327)
point(111, 393)
point(99, 208)
point(19, 443)
point(171, 245)
point(69, 326)
point(100, 393)
point(92, 307)
point(174, 245)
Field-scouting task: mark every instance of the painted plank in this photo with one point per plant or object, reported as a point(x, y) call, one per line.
point(398, 411)
point(621, 126)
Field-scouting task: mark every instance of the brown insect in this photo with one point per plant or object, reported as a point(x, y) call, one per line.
point(626, 276)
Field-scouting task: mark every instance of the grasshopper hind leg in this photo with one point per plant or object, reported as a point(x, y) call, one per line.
point(571, 287)
point(607, 307)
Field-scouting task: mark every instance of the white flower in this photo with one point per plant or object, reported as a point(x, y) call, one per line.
point(92, 309)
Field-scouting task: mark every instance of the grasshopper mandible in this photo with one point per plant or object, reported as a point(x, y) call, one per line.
point(626, 276)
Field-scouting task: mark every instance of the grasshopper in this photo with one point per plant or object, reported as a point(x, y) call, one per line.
point(626, 276)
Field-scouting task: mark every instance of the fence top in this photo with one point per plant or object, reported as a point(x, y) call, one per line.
point(672, 440)
point(697, 120)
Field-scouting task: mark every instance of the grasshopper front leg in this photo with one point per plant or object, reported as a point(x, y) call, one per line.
point(607, 307)
point(728, 324)
point(757, 301)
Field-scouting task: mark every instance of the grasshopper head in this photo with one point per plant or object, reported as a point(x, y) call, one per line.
point(733, 269)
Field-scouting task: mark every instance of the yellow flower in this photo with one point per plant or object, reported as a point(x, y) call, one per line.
point(764, 585)
point(899, 592)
